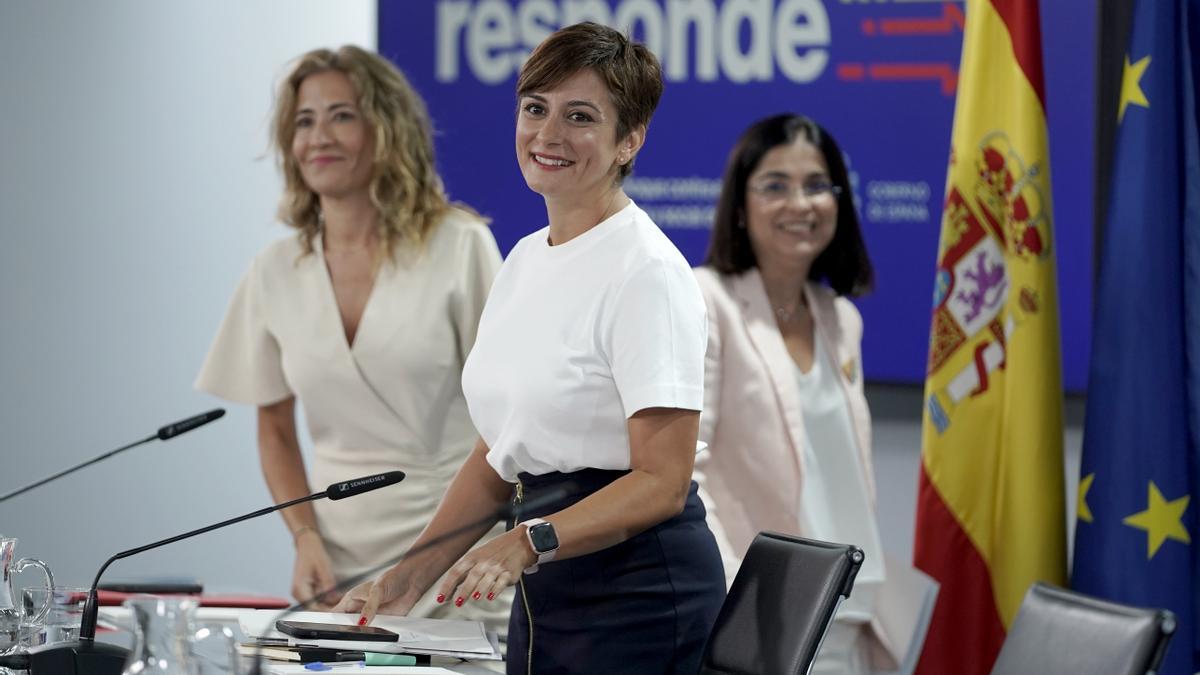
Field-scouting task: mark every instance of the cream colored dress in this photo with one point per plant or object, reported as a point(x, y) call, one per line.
point(391, 401)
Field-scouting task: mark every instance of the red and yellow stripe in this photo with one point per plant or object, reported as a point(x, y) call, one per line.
point(990, 512)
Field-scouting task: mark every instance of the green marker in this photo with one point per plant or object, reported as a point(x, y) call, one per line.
point(382, 659)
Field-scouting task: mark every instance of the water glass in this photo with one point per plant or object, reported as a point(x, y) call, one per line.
point(51, 615)
point(168, 641)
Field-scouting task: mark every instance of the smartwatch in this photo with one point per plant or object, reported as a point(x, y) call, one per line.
point(542, 539)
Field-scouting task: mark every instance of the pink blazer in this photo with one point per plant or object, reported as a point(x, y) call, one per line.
point(752, 420)
point(753, 470)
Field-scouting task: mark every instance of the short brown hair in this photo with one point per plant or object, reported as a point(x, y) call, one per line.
point(405, 188)
point(631, 72)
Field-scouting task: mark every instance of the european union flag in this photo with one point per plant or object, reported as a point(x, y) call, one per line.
point(1137, 529)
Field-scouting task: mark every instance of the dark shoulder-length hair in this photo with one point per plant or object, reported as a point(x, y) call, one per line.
point(844, 264)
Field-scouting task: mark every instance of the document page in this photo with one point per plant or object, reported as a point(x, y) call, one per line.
point(439, 637)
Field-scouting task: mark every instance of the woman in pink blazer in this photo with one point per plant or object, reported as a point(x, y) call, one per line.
point(785, 418)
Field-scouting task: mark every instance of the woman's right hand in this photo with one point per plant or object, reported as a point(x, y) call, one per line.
point(391, 593)
point(313, 571)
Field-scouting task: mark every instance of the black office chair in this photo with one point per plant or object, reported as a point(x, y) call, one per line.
point(1061, 631)
point(780, 605)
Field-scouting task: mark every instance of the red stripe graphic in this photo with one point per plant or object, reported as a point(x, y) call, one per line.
point(952, 18)
point(941, 73)
point(851, 71)
point(917, 71)
point(1025, 30)
point(966, 632)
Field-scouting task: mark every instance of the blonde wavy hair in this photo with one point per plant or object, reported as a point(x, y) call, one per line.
point(405, 187)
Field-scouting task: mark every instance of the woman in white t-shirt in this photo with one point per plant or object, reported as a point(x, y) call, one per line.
point(585, 383)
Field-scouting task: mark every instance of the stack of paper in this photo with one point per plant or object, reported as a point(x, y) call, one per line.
point(436, 637)
point(367, 669)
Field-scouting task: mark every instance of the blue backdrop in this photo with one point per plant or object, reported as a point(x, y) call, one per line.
point(880, 75)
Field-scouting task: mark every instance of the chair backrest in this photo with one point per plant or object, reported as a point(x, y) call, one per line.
point(780, 605)
point(1061, 631)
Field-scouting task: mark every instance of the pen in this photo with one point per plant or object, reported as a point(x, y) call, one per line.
point(320, 665)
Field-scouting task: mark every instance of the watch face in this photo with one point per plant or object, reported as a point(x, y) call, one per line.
point(543, 537)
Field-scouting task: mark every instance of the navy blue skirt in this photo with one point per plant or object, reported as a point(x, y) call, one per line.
point(645, 605)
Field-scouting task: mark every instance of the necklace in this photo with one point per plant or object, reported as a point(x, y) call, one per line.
point(786, 314)
point(356, 248)
point(609, 211)
point(349, 250)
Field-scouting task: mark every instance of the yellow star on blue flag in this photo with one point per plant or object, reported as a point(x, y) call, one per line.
point(1082, 510)
point(1140, 464)
point(1161, 520)
point(1131, 85)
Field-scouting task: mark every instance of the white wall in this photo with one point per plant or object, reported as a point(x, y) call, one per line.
point(134, 189)
point(135, 186)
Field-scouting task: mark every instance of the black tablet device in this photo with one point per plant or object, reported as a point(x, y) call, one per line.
point(335, 631)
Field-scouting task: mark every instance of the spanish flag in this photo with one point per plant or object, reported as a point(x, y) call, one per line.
point(990, 512)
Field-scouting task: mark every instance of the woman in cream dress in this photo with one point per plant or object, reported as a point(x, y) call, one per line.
point(366, 317)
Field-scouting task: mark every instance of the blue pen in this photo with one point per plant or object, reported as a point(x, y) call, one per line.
point(318, 665)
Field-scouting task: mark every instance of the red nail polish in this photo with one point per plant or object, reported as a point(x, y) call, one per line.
point(475, 596)
point(362, 620)
point(458, 602)
point(441, 598)
point(491, 596)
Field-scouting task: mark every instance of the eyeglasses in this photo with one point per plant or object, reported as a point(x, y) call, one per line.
point(779, 190)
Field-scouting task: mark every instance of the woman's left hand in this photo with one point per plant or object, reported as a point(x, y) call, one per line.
point(486, 571)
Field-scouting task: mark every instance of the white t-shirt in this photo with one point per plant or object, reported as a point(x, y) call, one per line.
point(576, 338)
point(834, 495)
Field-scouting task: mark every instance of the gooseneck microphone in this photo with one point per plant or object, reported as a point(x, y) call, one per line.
point(354, 487)
point(86, 657)
point(511, 510)
point(166, 433)
point(163, 434)
point(87, 627)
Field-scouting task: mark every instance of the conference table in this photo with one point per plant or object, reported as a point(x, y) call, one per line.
point(120, 624)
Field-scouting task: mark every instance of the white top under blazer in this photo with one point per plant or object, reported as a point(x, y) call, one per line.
point(392, 400)
point(576, 338)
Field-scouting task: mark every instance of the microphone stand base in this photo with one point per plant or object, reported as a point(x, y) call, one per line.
point(78, 658)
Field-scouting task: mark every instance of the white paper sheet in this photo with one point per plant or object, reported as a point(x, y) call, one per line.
point(439, 637)
point(372, 670)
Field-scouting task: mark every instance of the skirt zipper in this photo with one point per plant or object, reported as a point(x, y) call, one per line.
point(525, 598)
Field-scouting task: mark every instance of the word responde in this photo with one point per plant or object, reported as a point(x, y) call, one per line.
point(694, 39)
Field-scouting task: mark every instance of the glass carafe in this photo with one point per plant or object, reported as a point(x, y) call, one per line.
point(167, 640)
point(10, 613)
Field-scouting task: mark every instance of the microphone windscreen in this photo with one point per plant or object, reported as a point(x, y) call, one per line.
point(184, 426)
point(358, 486)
